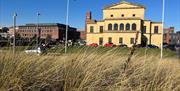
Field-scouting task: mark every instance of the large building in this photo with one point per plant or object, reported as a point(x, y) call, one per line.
point(82, 34)
point(55, 30)
point(120, 24)
point(178, 37)
point(169, 36)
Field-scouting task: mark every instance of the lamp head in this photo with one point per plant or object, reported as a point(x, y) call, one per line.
point(38, 14)
point(15, 14)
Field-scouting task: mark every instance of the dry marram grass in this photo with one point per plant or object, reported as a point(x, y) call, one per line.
point(87, 72)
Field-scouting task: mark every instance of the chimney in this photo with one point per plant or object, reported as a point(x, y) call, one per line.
point(88, 16)
point(88, 20)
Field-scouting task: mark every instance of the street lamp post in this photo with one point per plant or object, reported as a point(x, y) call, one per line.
point(162, 35)
point(38, 35)
point(67, 21)
point(14, 32)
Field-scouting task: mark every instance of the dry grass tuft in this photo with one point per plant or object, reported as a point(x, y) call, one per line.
point(86, 71)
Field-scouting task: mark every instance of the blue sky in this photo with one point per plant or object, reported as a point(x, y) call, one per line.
point(54, 11)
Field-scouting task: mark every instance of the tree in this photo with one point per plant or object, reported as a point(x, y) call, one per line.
point(18, 36)
point(5, 29)
point(1, 37)
point(33, 40)
point(48, 39)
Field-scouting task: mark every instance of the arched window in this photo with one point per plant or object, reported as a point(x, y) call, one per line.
point(127, 26)
point(110, 27)
point(116, 26)
point(134, 27)
point(121, 27)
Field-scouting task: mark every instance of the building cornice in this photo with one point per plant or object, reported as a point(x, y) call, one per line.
point(124, 8)
point(100, 21)
point(124, 2)
point(122, 19)
point(115, 32)
point(91, 23)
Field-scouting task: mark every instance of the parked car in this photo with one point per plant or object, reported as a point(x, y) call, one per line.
point(79, 43)
point(35, 50)
point(171, 47)
point(165, 45)
point(122, 45)
point(152, 46)
point(93, 45)
point(109, 45)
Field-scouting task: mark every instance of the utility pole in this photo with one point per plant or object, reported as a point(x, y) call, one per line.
point(67, 22)
point(14, 32)
point(162, 35)
point(38, 35)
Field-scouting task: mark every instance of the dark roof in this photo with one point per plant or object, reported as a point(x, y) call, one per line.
point(44, 24)
point(156, 22)
point(47, 25)
point(124, 2)
point(147, 20)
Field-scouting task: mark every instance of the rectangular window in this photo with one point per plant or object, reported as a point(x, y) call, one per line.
point(120, 40)
point(156, 29)
point(100, 41)
point(110, 40)
point(101, 29)
point(132, 41)
point(144, 29)
point(91, 29)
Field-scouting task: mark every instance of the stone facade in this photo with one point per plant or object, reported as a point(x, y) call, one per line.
point(120, 23)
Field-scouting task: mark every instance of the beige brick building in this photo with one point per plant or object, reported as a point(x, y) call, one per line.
point(119, 25)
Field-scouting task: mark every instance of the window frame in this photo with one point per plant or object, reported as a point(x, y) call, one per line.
point(132, 40)
point(134, 27)
point(156, 29)
point(109, 39)
point(121, 28)
point(91, 29)
point(101, 40)
point(128, 27)
point(120, 40)
point(122, 15)
point(101, 29)
point(110, 27)
point(134, 15)
point(116, 27)
point(144, 29)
